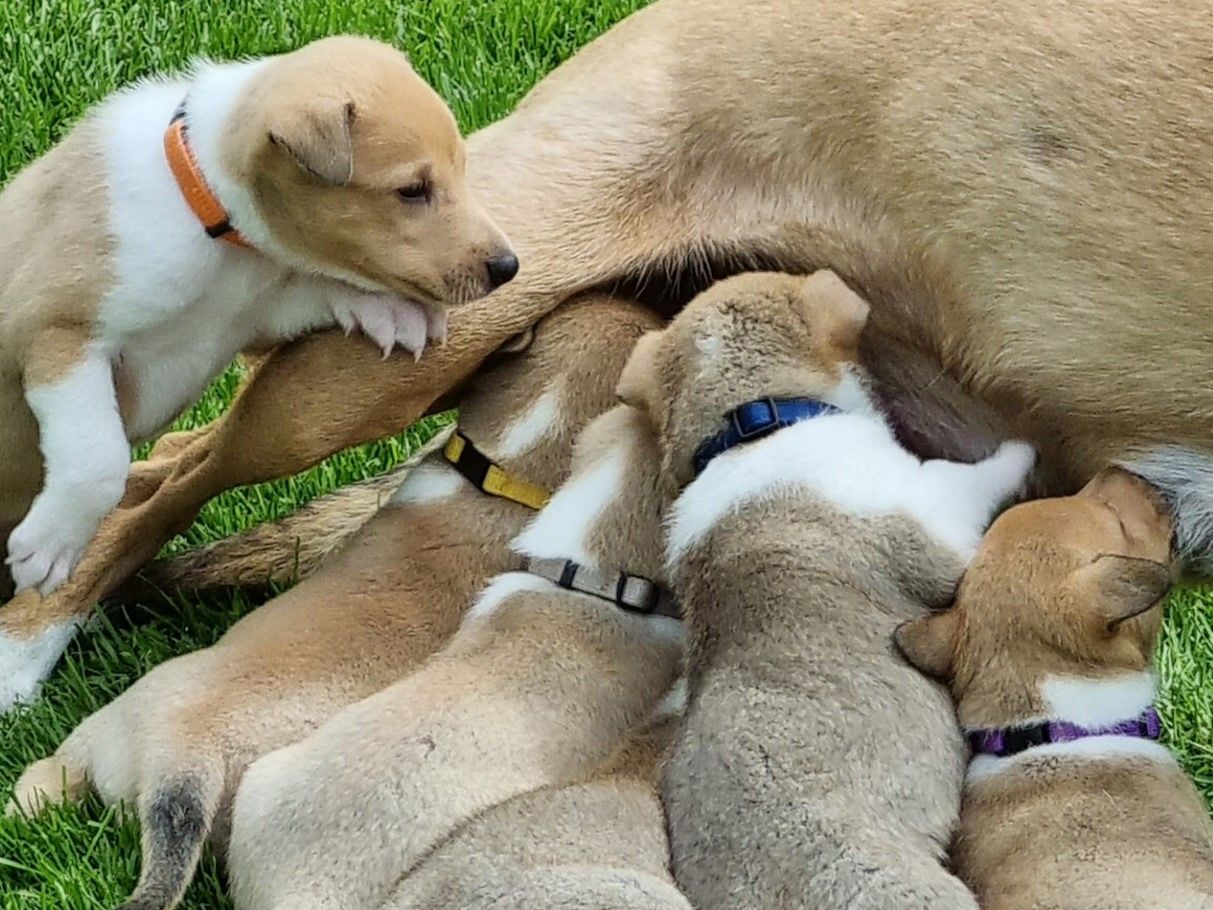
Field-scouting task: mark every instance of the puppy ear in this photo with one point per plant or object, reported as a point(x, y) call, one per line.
point(317, 138)
point(835, 312)
point(929, 642)
point(638, 382)
point(1122, 587)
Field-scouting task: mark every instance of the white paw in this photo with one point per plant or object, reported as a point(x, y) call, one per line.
point(25, 663)
point(45, 547)
point(388, 321)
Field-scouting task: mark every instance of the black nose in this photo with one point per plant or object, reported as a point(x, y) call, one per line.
point(502, 269)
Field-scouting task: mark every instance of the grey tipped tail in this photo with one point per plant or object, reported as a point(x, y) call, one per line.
point(176, 822)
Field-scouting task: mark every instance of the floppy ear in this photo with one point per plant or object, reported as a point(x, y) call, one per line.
point(836, 313)
point(928, 643)
point(1122, 587)
point(317, 138)
point(638, 382)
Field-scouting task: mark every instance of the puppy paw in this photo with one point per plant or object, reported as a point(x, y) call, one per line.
point(388, 321)
point(43, 550)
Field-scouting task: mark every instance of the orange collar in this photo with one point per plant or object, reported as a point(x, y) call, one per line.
point(198, 196)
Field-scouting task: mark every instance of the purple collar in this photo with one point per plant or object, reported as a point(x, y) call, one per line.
point(1013, 740)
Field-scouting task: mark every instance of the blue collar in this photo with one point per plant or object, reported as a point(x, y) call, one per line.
point(756, 419)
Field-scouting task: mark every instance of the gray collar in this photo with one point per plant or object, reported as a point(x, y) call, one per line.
point(633, 593)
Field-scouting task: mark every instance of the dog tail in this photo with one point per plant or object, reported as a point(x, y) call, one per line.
point(176, 817)
point(1184, 477)
point(274, 553)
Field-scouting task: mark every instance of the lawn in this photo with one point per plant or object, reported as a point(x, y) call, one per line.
point(57, 57)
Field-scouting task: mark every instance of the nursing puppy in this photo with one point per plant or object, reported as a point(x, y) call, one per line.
point(815, 768)
point(538, 686)
point(1068, 804)
point(186, 219)
point(176, 744)
point(597, 844)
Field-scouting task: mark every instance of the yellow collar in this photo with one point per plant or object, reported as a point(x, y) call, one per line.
point(489, 477)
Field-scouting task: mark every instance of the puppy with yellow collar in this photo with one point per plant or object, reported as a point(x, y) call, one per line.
point(184, 220)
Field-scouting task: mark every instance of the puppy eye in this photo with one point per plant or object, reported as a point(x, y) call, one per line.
point(416, 193)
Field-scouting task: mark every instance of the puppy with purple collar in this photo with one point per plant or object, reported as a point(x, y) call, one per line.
point(1070, 802)
point(184, 220)
point(814, 769)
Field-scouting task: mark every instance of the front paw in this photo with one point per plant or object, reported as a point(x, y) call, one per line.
point(43, 550)
point(388, 321)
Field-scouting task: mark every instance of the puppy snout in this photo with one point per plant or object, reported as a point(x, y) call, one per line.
point(501, 269)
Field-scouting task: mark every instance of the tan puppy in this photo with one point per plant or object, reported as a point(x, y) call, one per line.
point(814, 770)
point(185, 220)
point(537, 687)
point(1052, 634)
point(597, 844)
point(177, 742)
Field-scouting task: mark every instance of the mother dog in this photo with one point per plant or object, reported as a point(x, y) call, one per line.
point(1023, 190)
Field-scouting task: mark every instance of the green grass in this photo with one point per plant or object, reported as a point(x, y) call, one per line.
point(57, 57)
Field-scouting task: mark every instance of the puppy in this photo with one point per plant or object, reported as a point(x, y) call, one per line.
point(176, 744)
point(597, 844)
point(1069, 803)
point(815, 768)
point(186, 219)
point(540, 683)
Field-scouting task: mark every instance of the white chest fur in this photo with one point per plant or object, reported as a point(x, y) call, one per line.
point(853, 462)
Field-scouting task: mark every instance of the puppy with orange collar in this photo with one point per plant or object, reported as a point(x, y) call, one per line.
point(187, 219)
point(1069, 803)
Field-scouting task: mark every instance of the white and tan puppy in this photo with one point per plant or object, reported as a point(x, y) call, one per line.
point(1070, 803)
point(815, 769)
point(597, 844)
point(536, 689)
point(186, 219)
point(176, 744)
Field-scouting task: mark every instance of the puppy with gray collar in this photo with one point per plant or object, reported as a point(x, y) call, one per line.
point(175, 745)
point(187, 219)
point(545, 676)
point(596, 844)
point(1070, 802)
point(815, 769)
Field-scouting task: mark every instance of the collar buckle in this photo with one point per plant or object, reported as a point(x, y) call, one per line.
point(755, 418)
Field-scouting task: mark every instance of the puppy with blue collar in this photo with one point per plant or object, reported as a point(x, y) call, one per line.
point(1070, 802)
point(815, 768)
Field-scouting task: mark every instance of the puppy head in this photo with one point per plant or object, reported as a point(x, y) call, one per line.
point(356, 168)
point(750, 336)
point(1067, 587)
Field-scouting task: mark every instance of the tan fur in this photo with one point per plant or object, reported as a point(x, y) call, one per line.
point(1019, 188)
point(1048, 595)
point(50, 212)
point(596, 844)
point(379, 129)
point(376, 610)
point(813, 770)
point(535, 693)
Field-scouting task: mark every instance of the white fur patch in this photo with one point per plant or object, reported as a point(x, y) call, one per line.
point(1098, 702)
point(502, 588)
point(533, 426)
point(26, 663)
point(853, 461)
point(560, 530)
point(430, 481)
point(1093, 748)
